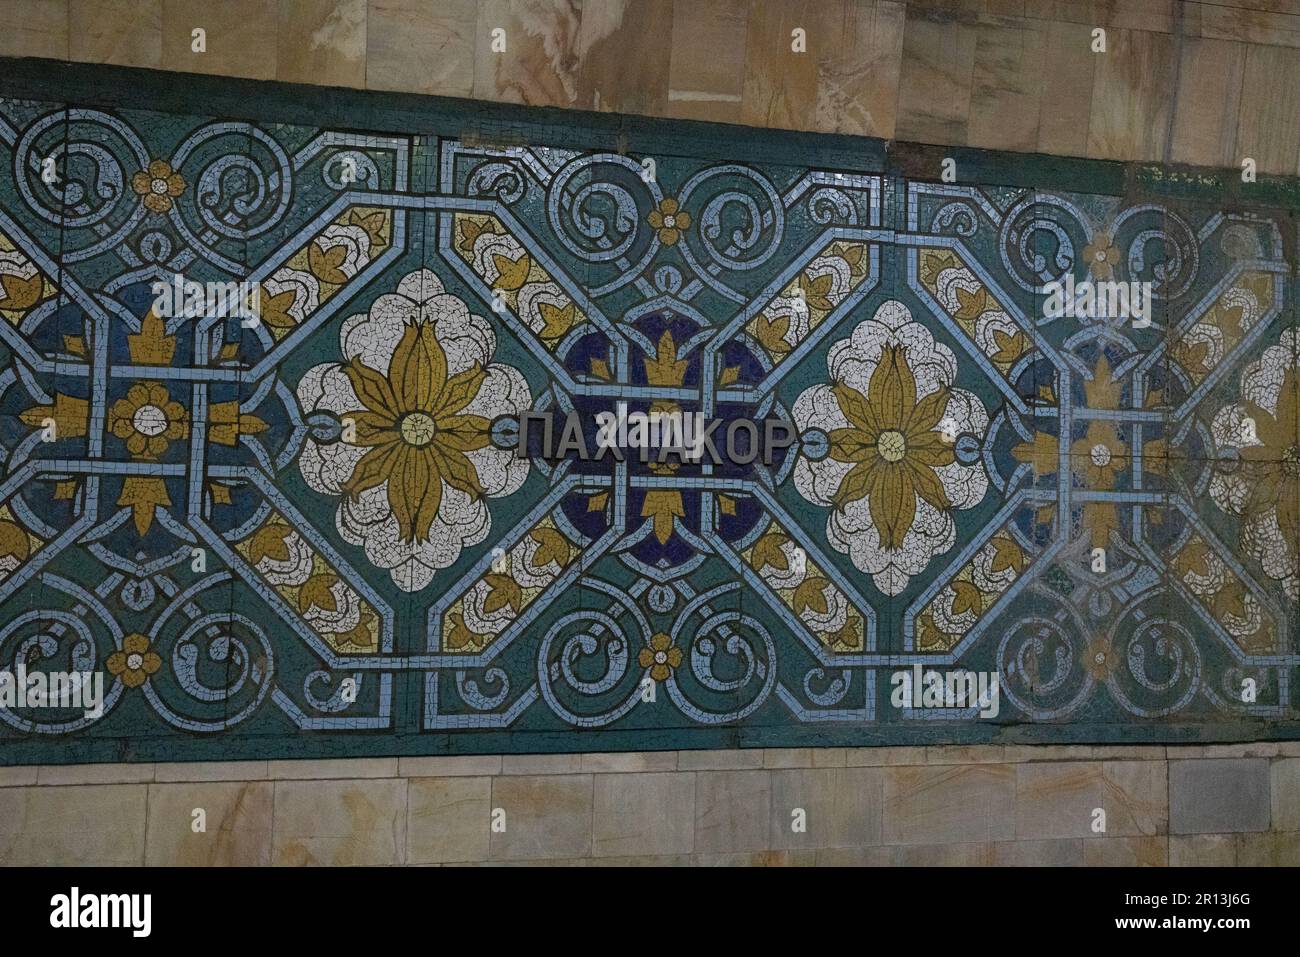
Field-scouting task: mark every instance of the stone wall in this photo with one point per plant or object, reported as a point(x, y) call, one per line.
point(1205, 805)
point(1188, 82)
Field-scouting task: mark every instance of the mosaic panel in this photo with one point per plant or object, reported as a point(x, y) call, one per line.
point(308, 530)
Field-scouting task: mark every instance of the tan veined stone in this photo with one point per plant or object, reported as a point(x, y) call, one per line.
point(949, 804)
point(449, 820)
point(644, 814)
point(545, 816)
point(92, 825)
point(236, 824)
point(421, 47)
point(339, 822)
point(239, 37)
point(123, 32)
point(1061, 800)
point(732, 811)
point(322, 42)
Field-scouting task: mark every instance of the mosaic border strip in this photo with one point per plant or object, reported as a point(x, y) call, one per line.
point(183, 507)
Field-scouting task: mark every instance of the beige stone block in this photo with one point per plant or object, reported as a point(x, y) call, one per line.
point(736, 759)
point(643, 814)
point(541, 763)
point(935, 82)
point(449, 766)
point(856, 856)
point(630, 761)
point(780, 82)
point(92, 825)
point(421, 47)
point(64, 774)
point(20, 776)
point(758, 859)
point(623, 68)
point(1026, 753)
point(1067, 89)
point(1065, 853)
point(1269, 130)
point(448, 819)
point(732, 811)
point(965, 754)
point(1208, 102)
point(1254, 749)
point(540, 64)
point(240, 37)
point(671, 860)
point(706, 72)
point(970, 854)
point(1279, 26)
point(880, 757)
point(1202, 850)
point(857, 91)
point(182, 771)
point(1285, 791)
point(1270, 849)
point(237, 820)
point(1128, 752)
point(1126, 851)
point(1007, 87)
point(1219, 795)
point(546, 816)
point(787, 757)
point(1060, 800)
point(841, 807)
point(124, 32)
point(950, 804)
point(339, 822)
point(1158, 15)
point(1249, 749)
point(830, 757)
point(332, 769)
point(35, 28)
point(322, 42)
point(1132, 96)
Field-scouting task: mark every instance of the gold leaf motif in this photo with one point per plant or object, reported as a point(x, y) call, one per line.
point(142, 496)
point(771, 334)
point(767, 551)
point(665, 506)
point(551, 547)
point(665, 368)
point(511, 274)
point(151, 346)
point(556, 321)
point(811, 594)
point(325, 263)
point(503, 591)
point(966, 598)
point(816, 291)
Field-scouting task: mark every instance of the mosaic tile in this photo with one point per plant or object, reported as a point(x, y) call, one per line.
point(308, 532)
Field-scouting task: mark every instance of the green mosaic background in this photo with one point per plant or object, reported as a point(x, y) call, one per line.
point(308, 535)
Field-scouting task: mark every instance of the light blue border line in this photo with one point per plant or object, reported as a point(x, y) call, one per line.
point(382, 719)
